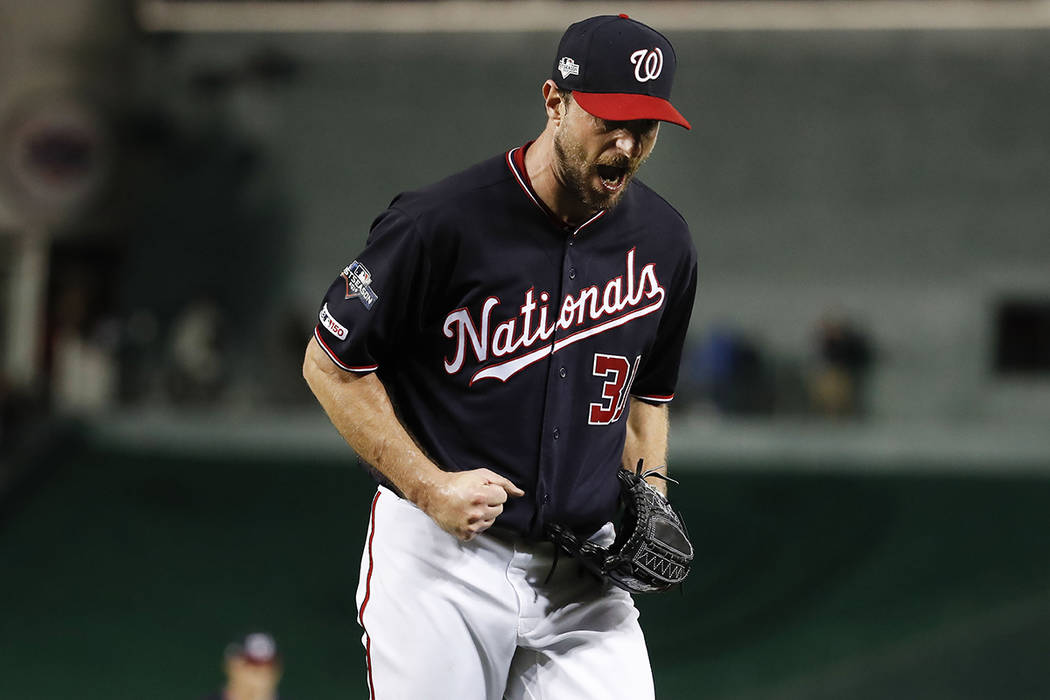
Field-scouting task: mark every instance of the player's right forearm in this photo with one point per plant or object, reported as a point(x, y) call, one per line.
point(361, 411)
point(463, 503)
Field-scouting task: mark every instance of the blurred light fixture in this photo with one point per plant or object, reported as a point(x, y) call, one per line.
point(550, 15)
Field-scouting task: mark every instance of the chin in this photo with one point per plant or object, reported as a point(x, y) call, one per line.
point(600, 199)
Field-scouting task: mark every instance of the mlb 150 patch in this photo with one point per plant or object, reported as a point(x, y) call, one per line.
point(334, 327)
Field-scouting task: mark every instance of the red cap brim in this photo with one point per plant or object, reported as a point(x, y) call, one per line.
point(622, 107)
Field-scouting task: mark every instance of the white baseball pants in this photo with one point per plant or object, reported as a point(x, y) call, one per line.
point(446, 619)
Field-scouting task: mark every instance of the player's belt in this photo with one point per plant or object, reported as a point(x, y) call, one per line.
point(510, 536)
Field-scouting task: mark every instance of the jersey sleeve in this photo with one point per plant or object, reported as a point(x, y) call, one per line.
point(658, 373)
point(370, 305)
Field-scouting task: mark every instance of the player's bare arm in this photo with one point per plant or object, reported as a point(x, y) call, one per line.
point(463, 503)
point(647, 430)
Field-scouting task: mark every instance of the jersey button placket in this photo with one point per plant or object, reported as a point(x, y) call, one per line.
point(555, 406)
point(570, 272)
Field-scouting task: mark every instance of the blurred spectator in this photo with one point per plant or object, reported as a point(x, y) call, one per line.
point(729, 370)
point(140, 348)
point(844, 359)
point(197, 371)
point(253, 669)
point(282, 359)
point(83, 343)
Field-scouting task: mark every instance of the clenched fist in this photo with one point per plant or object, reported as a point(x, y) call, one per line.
point(467, 503)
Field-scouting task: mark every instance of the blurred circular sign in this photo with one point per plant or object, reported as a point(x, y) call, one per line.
point(53, 158)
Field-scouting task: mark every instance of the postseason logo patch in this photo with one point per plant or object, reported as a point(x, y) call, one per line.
point(567, 67)
point(334, 327)
point(359, 284)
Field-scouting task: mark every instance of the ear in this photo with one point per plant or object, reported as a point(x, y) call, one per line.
point(552, 102)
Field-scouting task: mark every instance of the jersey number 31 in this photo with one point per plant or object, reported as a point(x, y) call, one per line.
point(618, 374)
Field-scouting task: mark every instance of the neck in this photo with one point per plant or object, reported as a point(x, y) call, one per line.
point(234, 691)
point(540, 163)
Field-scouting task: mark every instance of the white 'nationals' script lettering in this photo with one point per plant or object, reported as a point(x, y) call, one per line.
point(592, 311)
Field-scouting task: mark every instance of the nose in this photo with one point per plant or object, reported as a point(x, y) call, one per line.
point(628, 142)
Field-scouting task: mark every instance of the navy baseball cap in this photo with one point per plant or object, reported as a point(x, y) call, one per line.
point(618, 69)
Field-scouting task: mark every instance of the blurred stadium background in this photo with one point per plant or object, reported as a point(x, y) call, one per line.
point(863, 425)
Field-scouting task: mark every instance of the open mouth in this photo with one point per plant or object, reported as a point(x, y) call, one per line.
point(612, 176)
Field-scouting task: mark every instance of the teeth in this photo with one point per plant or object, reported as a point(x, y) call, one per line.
point(612, 177)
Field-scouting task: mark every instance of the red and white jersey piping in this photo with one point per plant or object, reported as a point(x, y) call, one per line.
point(654, 398)
point(516, 163)
point(335, 358)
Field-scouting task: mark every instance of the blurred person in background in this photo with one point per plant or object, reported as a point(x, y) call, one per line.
point(253, 669)
point(198, 371)
point(83, 337)
point(845, 358)
point(729, 370)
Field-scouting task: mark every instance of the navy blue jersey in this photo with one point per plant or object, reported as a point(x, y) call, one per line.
point(508, 341)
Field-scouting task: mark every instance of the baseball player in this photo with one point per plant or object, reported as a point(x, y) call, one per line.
point(253, 669)
point(508, 338)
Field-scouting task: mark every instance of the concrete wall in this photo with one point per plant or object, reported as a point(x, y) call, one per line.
point(897, 177)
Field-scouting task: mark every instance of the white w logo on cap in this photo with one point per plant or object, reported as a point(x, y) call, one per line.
point(648, 64)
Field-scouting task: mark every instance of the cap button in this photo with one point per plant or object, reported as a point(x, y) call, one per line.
point(624, 15)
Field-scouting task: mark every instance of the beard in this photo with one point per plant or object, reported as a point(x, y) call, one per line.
point(577, 175)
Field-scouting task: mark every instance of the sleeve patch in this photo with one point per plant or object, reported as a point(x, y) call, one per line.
point(359, 284)
point(331, 325)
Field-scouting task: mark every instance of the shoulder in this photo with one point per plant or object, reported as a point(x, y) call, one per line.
point(423, 214)
point(648, 210)
point(456, 195)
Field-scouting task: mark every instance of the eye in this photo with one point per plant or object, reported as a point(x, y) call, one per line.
point(644, 127)
point(638, 127)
